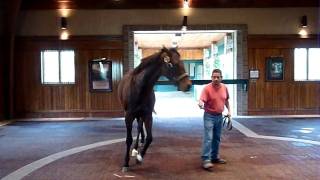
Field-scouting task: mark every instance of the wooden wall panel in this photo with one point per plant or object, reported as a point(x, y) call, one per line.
point(191, 54)
point(280, 97)
point(186, 54)
point(32, 99)
point(35, 100)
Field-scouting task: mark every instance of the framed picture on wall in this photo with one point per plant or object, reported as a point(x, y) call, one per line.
point(100, 75)
point(274, 69)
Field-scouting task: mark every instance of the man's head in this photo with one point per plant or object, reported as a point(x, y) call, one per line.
point(216, 76)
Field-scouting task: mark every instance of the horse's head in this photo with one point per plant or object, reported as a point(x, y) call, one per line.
point(173, 68)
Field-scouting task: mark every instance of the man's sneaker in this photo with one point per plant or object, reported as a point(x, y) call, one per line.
point(207, 164)
point(218, 161)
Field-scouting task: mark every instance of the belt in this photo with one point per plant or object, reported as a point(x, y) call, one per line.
point(214, 113)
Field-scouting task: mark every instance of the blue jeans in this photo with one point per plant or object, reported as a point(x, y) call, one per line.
point(212, 136)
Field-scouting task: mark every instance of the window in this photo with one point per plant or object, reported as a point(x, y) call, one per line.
point(57, 67)
point(306, 62)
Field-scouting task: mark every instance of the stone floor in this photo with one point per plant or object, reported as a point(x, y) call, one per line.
point(256, 148)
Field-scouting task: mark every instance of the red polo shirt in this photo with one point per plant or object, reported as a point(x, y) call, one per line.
point(214, 98)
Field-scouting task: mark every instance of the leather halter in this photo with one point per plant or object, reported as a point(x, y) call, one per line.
point(181, 77)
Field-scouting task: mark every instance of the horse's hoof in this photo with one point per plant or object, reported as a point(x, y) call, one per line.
point(125, 169)
point(139, 158)
point(134, 152)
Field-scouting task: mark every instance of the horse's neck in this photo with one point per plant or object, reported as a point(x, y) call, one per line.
point(149, 74)
point(152, 74)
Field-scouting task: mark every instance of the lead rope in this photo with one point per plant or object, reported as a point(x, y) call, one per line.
point(227, 123)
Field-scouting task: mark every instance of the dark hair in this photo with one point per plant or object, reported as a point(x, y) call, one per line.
point(217, 71)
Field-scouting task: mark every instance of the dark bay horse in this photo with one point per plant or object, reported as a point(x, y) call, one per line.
point(137, 97)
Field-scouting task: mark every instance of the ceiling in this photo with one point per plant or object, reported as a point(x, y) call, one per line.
point(162, 4)
point(182, 40)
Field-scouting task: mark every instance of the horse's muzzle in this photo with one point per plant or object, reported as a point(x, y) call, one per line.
point(184, 87)
point(188, 87)
point(184, 83)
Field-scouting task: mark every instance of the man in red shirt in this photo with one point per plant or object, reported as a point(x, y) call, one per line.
point(214, 97)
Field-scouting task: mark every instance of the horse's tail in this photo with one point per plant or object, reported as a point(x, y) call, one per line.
point(123, 90)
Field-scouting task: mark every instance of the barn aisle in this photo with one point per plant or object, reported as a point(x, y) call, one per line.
point(177, 104)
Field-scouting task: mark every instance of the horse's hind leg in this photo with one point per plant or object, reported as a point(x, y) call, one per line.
point(129, 121)
point(148, 126)
point(142, 134)
point(139, 131)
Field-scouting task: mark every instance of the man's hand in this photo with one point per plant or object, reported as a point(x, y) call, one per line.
point(229, 115)
point(201, 104)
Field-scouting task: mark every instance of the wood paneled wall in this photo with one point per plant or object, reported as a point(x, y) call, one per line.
point(33, 99)
point(186, 54)
point(281, 97)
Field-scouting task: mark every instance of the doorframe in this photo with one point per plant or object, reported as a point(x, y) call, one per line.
point(241, 71)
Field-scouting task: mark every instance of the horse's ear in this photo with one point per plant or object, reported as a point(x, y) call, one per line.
point(164, 49)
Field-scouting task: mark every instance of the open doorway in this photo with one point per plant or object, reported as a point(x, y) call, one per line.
point(201, 52)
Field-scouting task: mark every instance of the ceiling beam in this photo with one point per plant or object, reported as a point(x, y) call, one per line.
point(163, 4)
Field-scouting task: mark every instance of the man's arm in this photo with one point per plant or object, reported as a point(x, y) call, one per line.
point(202, 99)
point(227, 103)
point(228, 107)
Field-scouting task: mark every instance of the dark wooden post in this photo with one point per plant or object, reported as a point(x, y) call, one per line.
point(11, 11)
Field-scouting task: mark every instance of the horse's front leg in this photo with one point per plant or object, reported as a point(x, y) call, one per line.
point(148, 126)
point(129, 121)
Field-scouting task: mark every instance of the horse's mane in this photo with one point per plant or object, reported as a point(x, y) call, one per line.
point(150, 59)
point(146, 62)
